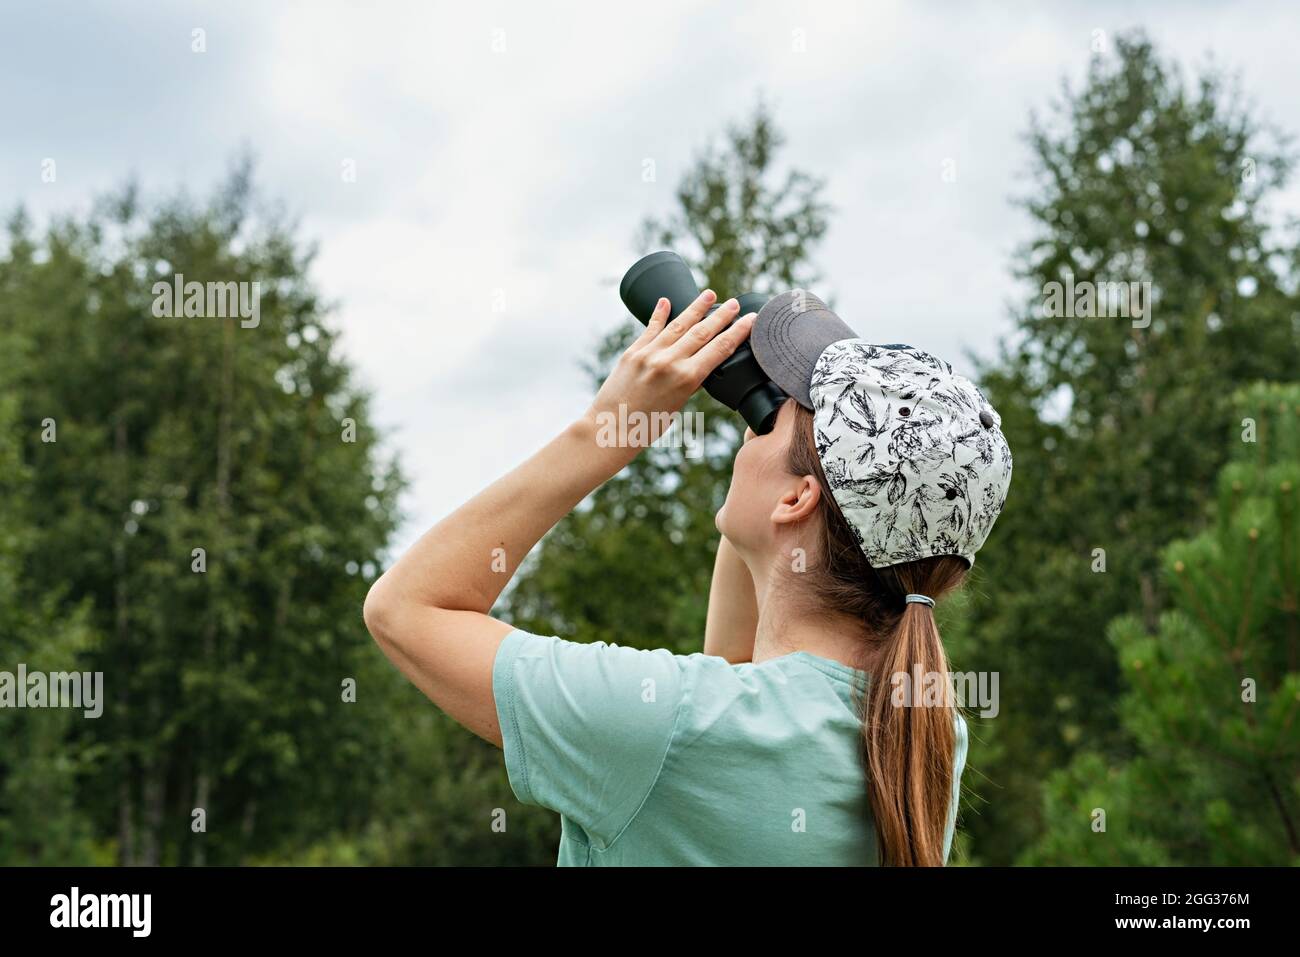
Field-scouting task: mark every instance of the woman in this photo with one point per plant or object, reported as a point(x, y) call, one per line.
point(865, 503)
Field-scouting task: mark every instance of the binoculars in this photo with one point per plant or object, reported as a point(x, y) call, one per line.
point(738, 383)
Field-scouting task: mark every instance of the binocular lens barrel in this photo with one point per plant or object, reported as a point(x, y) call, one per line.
point(739, 382)
point(659, 274)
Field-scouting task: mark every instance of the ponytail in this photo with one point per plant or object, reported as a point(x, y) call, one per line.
point(909, 738)
point(908, 711)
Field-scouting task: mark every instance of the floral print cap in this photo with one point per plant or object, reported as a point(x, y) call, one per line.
point(913, 453)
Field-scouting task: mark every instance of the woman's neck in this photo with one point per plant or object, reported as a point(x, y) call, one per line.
point(786, 624)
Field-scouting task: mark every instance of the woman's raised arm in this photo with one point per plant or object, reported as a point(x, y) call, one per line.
point(429, 611)
point(733, 608)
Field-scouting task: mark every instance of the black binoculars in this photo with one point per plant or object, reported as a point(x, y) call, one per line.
point(738, 383)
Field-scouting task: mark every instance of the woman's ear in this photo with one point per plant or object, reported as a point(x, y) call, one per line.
point(798, 502)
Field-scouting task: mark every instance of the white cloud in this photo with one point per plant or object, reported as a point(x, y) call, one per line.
point(515, 176)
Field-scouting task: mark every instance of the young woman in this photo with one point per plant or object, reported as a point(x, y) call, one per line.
point(843, 525)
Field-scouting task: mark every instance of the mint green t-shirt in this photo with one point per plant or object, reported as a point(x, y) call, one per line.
point(652, 758)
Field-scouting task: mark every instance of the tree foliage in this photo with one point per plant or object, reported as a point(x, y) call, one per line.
point(1213, 694)
point(223, 668)
point(1128, 528)
point(1118, 429)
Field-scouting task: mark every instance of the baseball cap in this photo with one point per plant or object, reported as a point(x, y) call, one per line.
point(913, 453)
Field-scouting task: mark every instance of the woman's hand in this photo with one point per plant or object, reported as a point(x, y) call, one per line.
point(663, 368)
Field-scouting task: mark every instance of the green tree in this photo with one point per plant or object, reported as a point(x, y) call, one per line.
point(633, 564)
point(40, 822)
point(1213, 694)
point(216, 499)
point(1117, 427)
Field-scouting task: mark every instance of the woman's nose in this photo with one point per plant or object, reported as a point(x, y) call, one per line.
point(749, 434)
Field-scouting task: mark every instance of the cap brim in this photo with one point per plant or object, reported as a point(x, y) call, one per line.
point(790, 333)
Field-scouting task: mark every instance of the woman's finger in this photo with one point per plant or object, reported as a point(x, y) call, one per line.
point(688, 317)
point(703, 332)
point(721, 346)
point(654, 326)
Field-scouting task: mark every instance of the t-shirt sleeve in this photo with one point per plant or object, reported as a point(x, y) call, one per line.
point(959, 765)
point(585, 727)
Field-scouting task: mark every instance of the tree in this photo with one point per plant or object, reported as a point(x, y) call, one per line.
point(39, 819)
point(216, 502)
point(633, 565)
point(1213, 695)
point(1117, 424)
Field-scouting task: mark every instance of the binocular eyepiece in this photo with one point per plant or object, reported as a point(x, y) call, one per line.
point(738, 383)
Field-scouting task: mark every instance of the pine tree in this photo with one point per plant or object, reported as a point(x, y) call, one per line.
point(1213, 701)
point(1139, 175)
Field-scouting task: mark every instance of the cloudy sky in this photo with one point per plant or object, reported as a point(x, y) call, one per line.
point(499, 149)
